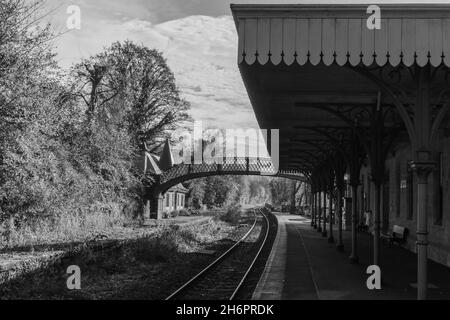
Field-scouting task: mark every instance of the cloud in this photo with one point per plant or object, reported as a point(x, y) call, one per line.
point(200, 50)
point(159, 11)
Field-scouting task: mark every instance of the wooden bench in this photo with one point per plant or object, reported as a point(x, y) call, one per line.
point(398, 235)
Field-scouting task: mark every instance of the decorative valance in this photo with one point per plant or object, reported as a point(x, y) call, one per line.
point(301, 34)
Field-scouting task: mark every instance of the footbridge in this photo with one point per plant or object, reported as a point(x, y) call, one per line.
point(161, 173)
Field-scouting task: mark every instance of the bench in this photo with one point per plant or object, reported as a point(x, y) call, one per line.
point(398, 235)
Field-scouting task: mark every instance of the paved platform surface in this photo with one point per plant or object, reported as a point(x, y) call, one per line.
point(270, 286)
point(305, 266)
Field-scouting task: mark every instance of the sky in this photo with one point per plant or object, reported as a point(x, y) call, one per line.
point(197, 37)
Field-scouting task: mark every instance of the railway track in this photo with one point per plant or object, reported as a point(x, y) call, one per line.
point(224, 278)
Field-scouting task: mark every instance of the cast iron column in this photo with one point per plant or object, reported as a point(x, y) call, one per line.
point(319, 227)
point(330, 237)
point(422, 165)
point(376, 224)
point(340, 244)
point(313, 211)
point(355, 167)
point(354, 255)
point(312, 207)
point(422, 169)
point(339, 171)
point(324, 228)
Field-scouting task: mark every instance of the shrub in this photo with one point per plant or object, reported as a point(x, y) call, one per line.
point(68, 227)
point(194, 212)
point(69, 143)
point(232, 215)
point(159, 249)
point(184, 213)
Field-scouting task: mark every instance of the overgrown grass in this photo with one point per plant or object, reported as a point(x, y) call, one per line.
point(72, 228)
point(62, 229)
point(170, 239)
point(232, 215)
point(176, 213)
point(145, 267)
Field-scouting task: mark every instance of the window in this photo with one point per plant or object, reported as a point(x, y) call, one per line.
point(439, 177)
point(410, 193)
point(167, 199)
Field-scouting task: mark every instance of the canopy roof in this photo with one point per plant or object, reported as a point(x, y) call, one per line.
point(339, 34)
point(309, 69)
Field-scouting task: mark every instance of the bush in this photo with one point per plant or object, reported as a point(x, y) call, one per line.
point(232, 215)
point(68, 142)
point(176, 213)
point(193, 212)
point(184, 213)
point(159, 249)
point(62, 228)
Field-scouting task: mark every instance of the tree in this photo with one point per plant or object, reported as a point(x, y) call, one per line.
point(280, 190)
point(298, 194)
point(68, 145)
point(196, 194)
point(225, 191)
point(138, 80)
point(29, 86)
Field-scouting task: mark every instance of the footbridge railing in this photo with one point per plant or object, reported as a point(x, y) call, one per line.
point(229, 166)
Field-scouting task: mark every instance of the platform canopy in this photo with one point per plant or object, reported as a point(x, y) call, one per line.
point(299, 62)
point(342, 92)
point(339, 34)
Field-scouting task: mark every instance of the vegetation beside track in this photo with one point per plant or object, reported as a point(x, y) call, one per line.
point(145, 268)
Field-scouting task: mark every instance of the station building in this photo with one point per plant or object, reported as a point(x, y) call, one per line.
point(173, 198)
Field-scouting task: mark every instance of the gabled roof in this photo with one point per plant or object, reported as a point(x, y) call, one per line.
point(154, 164)
point(166, 160)
point(150, 164)
point(179, 188)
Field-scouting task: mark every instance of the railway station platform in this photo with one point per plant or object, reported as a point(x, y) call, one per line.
point(303, 265)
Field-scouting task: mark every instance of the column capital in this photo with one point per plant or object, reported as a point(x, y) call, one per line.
point(423, 169)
